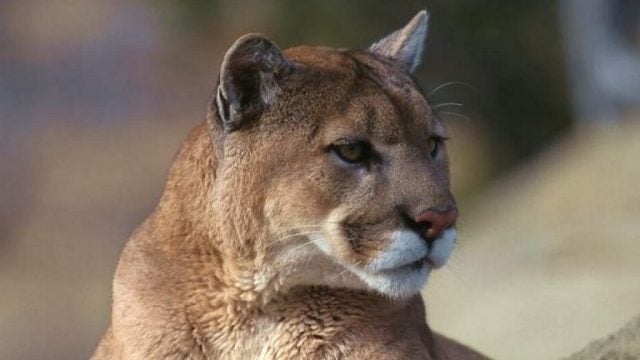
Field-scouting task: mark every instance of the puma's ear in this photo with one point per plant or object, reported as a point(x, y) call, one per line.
point(405, 45)
point(248, 80)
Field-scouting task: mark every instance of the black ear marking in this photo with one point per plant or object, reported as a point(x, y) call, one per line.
point(249, 80)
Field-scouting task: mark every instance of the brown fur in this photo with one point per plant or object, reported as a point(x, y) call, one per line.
point(213, 272)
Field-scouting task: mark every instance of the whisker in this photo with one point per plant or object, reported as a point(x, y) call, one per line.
point(294, 235)
point(446, 104)
point(301, 233)
point(302, 227)
point(311, 225)
point(302, 230)
point(455, 114)
point(302, 245)
point(346, 269)
point(450, 83)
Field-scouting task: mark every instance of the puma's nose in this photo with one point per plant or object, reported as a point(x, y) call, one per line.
point(433, 222)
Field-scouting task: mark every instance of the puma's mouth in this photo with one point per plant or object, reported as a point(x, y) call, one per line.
point(408, 251)
point(413, 266)
point(416, 264)
point(404, 267)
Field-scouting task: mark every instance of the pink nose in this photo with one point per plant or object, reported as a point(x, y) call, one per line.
point(436, 221)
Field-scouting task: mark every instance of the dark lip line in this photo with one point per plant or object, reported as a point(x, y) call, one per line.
point(412, 266)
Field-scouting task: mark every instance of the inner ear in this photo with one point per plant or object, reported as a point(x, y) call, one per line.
point(405, 45)
point(249, 80)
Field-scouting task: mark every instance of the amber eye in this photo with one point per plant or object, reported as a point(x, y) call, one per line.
point(352, 152)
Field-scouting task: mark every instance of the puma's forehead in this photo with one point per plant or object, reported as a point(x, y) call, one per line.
point(353, 64)
point(379, 97)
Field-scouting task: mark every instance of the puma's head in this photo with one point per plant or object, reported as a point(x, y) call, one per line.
point(331, 167)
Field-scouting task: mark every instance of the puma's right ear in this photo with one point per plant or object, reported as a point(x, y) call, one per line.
point(248, 80)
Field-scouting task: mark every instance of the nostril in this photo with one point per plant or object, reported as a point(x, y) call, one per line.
point(426, 231)
point(432, 223)
point(422, 227)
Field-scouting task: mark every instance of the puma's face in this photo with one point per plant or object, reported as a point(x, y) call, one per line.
point(369, 186)
point(340, 157)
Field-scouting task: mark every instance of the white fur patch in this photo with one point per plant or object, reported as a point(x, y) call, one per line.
point(442, 248)
point(405, 248)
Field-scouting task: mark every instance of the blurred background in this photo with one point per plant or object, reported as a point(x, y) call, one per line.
point(542, 101)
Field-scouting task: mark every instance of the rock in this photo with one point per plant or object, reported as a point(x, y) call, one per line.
point(621, 345)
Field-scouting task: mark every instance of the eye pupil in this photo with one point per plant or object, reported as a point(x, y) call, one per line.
point(352, 151)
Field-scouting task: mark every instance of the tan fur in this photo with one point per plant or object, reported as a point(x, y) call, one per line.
point(224, 267)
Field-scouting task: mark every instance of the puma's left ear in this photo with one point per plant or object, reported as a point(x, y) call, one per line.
point(249, 80)
point(405, 45)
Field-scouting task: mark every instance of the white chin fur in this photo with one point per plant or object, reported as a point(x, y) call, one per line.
point(400, 283)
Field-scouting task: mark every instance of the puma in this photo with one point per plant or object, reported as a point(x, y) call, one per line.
point(300, 220)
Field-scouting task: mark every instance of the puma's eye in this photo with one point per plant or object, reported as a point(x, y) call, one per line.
point(352, 152)
point(435, 143)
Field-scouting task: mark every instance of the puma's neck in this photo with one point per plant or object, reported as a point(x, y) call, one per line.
point(187, 227)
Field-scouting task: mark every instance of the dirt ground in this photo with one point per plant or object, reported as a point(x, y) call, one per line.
point(549, 259)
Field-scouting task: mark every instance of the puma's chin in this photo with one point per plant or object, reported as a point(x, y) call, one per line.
point(402, 282)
